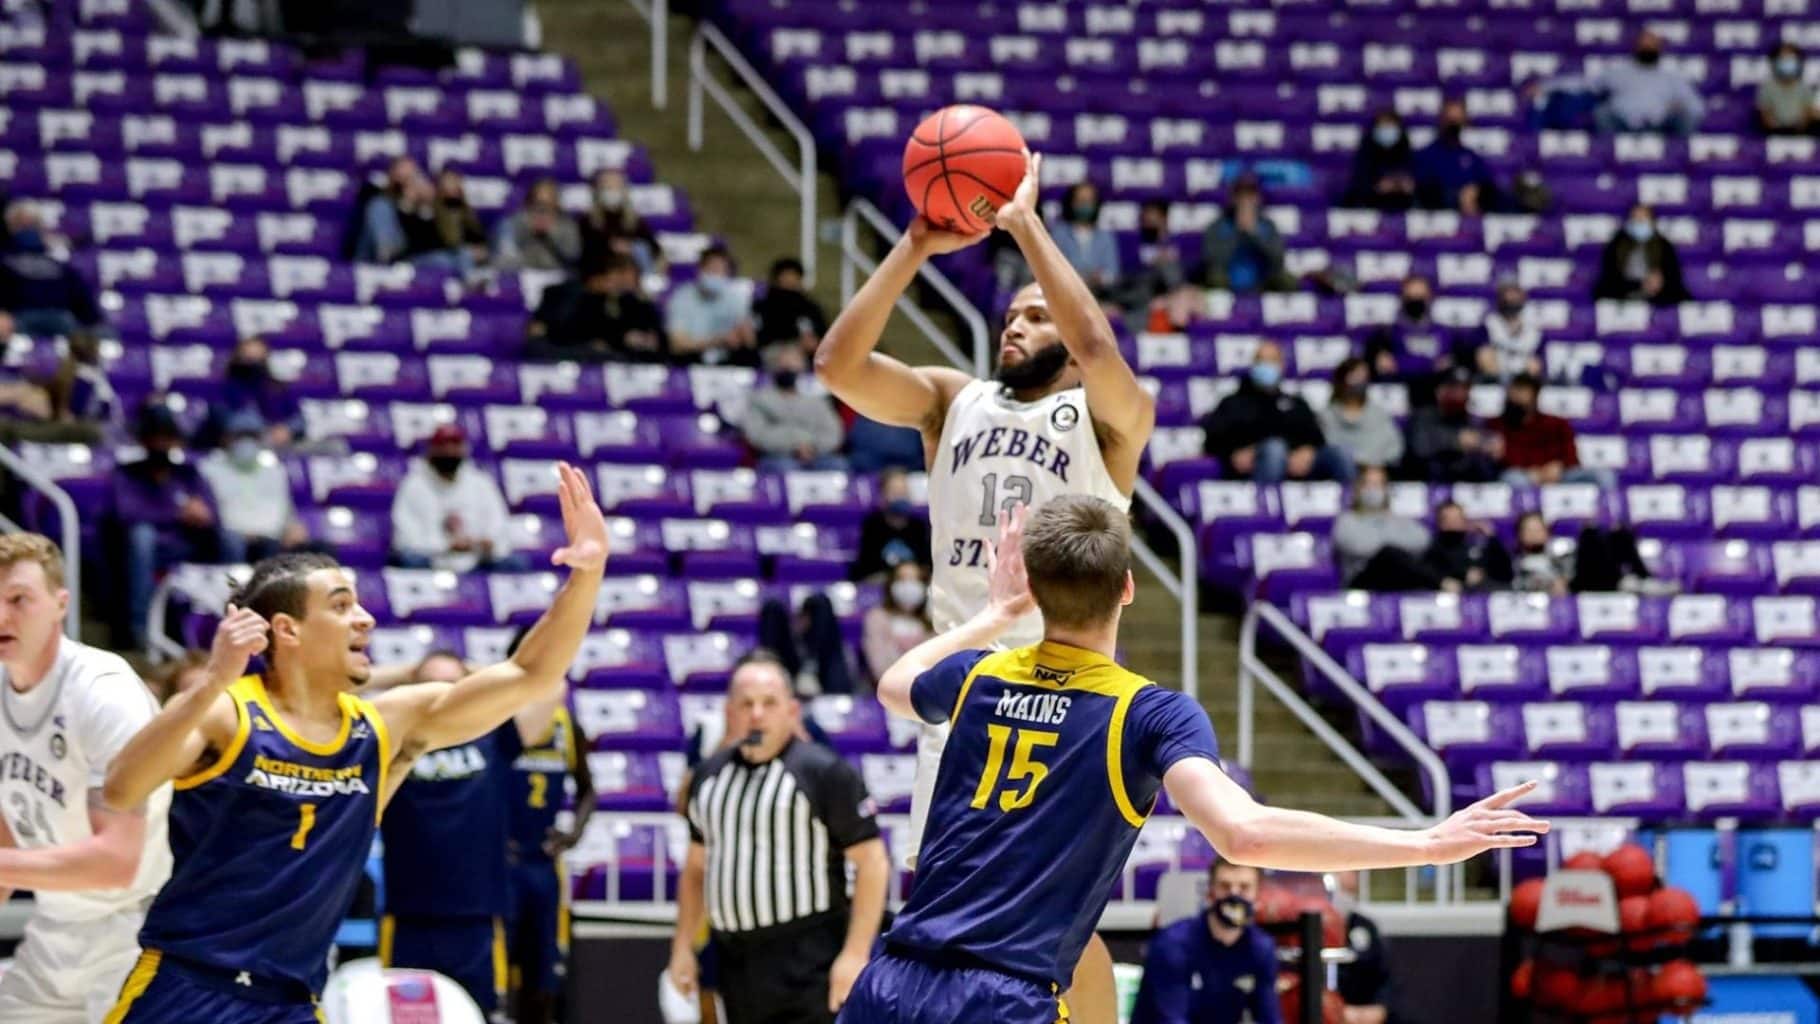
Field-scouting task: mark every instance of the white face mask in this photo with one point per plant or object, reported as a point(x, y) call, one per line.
point(908, 594)
point(244, 451)
point(611, 198)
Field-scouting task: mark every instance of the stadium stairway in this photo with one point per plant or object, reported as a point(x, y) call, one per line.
point(739, 199)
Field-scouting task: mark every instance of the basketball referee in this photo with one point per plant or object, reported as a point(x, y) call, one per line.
point(773, 823)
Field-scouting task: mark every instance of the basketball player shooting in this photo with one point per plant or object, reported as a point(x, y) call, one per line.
point(1056, 759)
point(281, 778)
point(1062, 414)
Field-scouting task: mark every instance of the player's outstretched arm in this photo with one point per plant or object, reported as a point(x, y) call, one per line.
point(1007, 600)
point(1247, 832)
point(107, 859)
point(877, 386)
point(195, 727)
point(429, 716)
point(1114, 396)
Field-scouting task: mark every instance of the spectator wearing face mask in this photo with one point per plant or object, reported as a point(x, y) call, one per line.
point(540, 236)
point(252, 490)
point(900, 622)
point(1446, 444)
point(785, 312)
point(1383, 169)
point(1350, 422)
point(1087, 247)
point(1785, 103)
point(1466, 555)
point(1511, 338)
point(1243, 251)
point(1539, 568)
point(449, 514)
point(40, 294)
point(710, 318)
point(250, 388)
point(1159, 281)
point(602, 316)
point(382, 219)
point(1376, 548)
point(613, 226)
point(1217, 967)
point(1640, 264)
point(1450, 175)
point(161, 512)
point(1640, 95)
point(1413, 348)
point(1262, 433)
point(457, 226)
point(1539, 448)
point(791, 428)
point(892, 533)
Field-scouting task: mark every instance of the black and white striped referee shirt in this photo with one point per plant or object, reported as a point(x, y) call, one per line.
point(776, 834)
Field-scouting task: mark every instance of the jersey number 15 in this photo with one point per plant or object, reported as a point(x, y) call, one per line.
point(1023, 744)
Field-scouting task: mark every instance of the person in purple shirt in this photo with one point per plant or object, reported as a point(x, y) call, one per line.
point(1413, 348)
point(1449, 174)
point(250, 388)
point(162, 513)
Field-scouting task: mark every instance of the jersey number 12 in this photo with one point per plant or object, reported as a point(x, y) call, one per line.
point(1023, 744)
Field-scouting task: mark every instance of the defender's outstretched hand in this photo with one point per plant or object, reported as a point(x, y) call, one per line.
point(1490, 824)
point(582, 523)
point(1007, 584)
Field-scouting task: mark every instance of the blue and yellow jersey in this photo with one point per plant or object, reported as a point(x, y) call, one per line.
point(1055, 760)
point(539, 782)
point(269, 842)
point(445, 831)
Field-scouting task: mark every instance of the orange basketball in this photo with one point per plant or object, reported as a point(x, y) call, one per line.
point(1632, 870)
point(1525, 901)
point(1675, 910)
point(1585, 860)
point(1680, 982)
point(961, 164)
point(1523, 979)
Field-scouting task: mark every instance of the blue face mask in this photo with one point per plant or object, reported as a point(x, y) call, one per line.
point(900, 508)
point(1266, 375)
point(1788, 67)
point(28, 240)
point(1386, 135)
point(1641, 230)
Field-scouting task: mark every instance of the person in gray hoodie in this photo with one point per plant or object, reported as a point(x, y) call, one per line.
point(1376, 548)
point(1365, 432)
point(791, 428)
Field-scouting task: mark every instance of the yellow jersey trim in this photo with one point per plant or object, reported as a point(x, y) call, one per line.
point(960, 699)
point(264, 700)
point(501, 974)
point(243, 727)
point(1115, 760)
point(365, 709)
point(388, 926)
point(136, 983)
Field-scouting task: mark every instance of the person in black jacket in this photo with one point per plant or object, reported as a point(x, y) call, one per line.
point(1267, 435)
point(1466, 555)
point(600, 317)
point(891, 533)
point(1640, 263)
point(1384, 168)
point(1446, 444)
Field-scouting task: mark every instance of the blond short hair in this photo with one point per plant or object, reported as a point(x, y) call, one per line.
point(33, 547)
point(1077, 553)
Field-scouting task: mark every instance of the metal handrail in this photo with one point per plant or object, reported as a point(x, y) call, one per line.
point(657, 13)
point(1440, 782)
point(802, 178)
point(67, 527)
point(1186, 587)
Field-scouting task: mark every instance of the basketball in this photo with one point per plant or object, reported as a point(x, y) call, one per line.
point(1675, 910)
point(1632, 870)
point(1633, 921)
point(961, 164)
point(1556, 987)
point(1585, 860)
point(1525, 902)
point(1680, 982)
point(1523, 979)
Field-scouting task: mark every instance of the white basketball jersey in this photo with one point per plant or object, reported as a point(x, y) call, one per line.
point(996, 453)
point(57, 742)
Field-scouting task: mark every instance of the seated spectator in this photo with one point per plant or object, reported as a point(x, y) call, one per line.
point(872, 446)
point(1450, 175)
point(786, 312)
point(1785, 103)
point(1159, 282)
point(791, 428)
point(540, 235)
point(250, 387)
point(1215, 966)
point(1446, 445)
point(457, 226)
point(1364, 983)
point(901, 621)
point(1639, 95)
point(449, 514)
point(602, 316)
point(1413, 348)
point(1539, 567)
point(1511, 339)
point(161, 512)
point(710, 318)
point(613, 226)
point(1466, 555)
point(809, 645)
point(252, 490)
point(1640, 264)
point(1350, 422)
point(40, 294)
point(1383, 169)
point(1539, 448)
point(382, 219)
point(1242, 251)
point(892, 533)
point(74, 404)
point(1262, 433)
point(1607, 560)
point(1377, 549)
point(1089, 249)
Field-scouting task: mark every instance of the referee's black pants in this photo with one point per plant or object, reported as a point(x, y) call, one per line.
point(780, 975)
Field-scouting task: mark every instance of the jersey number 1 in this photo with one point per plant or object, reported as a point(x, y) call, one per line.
point(306, 820)
point(1023, 766)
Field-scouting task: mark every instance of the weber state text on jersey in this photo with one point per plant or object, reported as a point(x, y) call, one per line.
point(269, 842)
point(1054, 761)
point(995, 454)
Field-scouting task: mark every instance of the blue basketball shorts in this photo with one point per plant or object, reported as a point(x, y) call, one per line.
point(895, 990)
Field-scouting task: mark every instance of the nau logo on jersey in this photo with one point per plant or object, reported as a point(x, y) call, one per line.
point(1012, 443)
point(1064, 418)
point(1045, 674)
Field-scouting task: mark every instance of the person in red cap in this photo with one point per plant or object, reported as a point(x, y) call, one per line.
point(449, 513)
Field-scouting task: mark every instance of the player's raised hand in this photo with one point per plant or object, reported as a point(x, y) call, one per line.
point(240, 635)
point(1023, 209)
point(931, 240)
point(1490, 824)
point(582, 523)
point(1007, 584)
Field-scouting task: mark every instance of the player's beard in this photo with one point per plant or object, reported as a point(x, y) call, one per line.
point(1038, 370)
